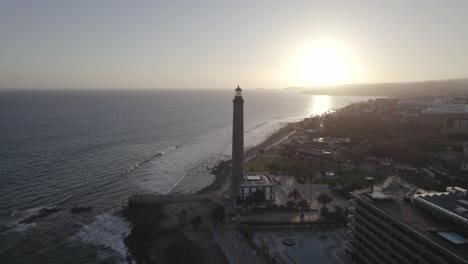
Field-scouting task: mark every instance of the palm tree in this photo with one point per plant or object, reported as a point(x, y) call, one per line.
point(311, 177)
point(324, 199)
point(295, 194)
point(303, 204)
point(332, 185)
point(196, 221)
point(264, 247)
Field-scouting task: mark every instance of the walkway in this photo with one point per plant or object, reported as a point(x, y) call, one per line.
point(235, 247)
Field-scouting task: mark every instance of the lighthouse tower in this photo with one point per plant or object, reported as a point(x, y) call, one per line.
point(237, 142)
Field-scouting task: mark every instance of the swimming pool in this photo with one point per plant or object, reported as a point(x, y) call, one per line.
point(311, 250)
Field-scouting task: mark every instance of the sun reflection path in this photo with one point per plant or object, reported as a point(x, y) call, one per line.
point(320, 104)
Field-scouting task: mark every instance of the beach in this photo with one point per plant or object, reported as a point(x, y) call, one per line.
point(222, 170)
point(169, 229)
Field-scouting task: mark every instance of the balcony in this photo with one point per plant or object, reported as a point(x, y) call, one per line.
point(408, 240)
point(356, 251)
point(369, 225)
point(372, 255)
point(374, 246)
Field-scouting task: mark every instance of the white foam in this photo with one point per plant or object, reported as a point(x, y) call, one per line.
point(107, 230)
point(22, 215)
point(23, 227)
point(14, 227)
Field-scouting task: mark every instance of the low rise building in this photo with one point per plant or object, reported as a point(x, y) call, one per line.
point(257, 182)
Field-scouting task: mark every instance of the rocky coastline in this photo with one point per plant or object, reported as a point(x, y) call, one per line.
point(160, 228)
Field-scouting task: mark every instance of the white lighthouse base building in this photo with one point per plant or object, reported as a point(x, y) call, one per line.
point(254, 182)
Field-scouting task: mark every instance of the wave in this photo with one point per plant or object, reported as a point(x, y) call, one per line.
point(23, 227)
point(151, 158)
point(109, 231)
point(256, 126)
point(27, 216)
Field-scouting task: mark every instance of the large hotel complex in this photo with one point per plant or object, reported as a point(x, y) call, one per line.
point(400, 223)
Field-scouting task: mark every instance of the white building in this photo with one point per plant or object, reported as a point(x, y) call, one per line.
point(257, 182)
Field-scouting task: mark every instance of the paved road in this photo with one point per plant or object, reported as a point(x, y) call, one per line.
point(280, 217)
point(235, 247)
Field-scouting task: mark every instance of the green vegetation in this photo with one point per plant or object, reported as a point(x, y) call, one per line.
point(303, 204)
point(275, 162)
point(145, 222)
point(295, 194)
point(424, 183)
point(196, 221)
point(349, 177)
point(218, 214)
point(324, 199)
point(387, 140)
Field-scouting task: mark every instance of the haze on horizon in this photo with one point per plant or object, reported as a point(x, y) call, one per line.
point(218, 44)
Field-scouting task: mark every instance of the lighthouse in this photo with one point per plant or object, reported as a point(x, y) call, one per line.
point(237, 142)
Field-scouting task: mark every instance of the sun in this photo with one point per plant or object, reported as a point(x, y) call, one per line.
point(321, 63)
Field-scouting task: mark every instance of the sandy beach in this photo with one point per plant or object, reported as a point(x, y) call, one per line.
point(222, 170)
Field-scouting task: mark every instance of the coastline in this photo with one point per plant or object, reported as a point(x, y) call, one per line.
point(222, 170)
point(148, 221)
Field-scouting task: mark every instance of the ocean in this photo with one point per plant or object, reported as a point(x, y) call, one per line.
point(60, 149)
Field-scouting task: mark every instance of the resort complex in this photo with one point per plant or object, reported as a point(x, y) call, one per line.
point(400, 223)
point(347, 186)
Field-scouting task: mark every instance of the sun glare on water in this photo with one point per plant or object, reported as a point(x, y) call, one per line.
point(321, 63)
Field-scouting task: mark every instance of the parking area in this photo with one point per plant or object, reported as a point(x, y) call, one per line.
point(285, 184)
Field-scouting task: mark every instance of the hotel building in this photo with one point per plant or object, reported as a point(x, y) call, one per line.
point(398, 224)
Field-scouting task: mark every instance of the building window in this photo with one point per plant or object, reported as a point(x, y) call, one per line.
point(254, 189)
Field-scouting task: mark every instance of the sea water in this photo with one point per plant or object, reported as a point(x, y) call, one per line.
point(60, 149)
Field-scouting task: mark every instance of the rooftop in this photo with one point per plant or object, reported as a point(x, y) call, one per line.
point(256, 178)
point(398, 202)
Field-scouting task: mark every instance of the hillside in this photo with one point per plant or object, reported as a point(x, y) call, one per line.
point(408, 89)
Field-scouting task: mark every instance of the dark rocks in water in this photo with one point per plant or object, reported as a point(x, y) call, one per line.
point(79, 209)
point(43, 212)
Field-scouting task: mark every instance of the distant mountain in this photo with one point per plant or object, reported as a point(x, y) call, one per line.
point(407, 89)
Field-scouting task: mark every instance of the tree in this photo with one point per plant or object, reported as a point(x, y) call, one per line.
point(356, 155)
point(340, 213)
point(290, 204)
point(323, 166)
point(196, 221)
point(324, 199)
point(246, 230)
point(264, 247)
point(183, 215)
point(273, 168)
point(303, 204)
point(332, 185)
point(295, 194)
point(272, 259)
point(218, 214)
point(311, 177)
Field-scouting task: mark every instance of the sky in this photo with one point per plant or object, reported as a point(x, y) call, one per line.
point(219, 44)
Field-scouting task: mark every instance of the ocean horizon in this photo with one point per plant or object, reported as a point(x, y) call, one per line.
point(62, 149)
